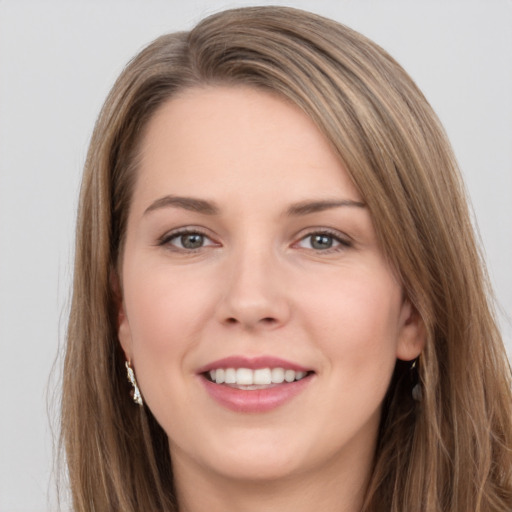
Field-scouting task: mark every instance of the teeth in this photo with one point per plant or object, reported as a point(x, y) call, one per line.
point(289, 375)
point(262, 377)
point(258, 377)
point(244, 376)
point(277, 375)
point(230, 376)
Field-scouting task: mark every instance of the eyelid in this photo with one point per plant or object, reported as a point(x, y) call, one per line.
point(344, 241)
point(166, 239)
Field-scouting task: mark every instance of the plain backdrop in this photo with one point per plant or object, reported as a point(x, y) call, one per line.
point(57, 63)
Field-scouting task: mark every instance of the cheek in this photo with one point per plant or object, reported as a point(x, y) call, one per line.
point(164, 310)
point(356, 319)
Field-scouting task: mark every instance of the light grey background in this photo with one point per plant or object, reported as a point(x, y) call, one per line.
point(57, 62)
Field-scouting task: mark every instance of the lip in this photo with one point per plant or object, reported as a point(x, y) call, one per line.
point(253, 363)
point(255, 400)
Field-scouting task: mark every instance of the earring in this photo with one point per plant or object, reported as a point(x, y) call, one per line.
point(135, 392)
point(415, 381)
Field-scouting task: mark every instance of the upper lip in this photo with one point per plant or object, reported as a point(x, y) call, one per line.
point(253, 363)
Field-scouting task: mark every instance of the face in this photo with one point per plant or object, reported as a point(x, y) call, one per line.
point(258, 311)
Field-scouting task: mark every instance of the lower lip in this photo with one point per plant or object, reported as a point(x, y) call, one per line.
point(254, 400)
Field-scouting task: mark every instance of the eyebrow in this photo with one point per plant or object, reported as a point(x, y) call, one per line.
point(209, 208)
point(187, 203)
point(307, 207)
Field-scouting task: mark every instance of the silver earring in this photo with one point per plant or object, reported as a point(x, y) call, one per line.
point(137, 397)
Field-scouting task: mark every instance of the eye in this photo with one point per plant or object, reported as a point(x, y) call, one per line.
point(186, 240)
point(323, 241)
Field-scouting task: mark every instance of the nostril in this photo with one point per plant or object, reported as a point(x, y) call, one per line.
point(266, 321)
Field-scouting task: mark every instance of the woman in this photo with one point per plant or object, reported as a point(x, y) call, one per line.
point(274, 253)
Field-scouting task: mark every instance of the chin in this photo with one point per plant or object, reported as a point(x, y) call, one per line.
point(248, 455)
point(258, 470)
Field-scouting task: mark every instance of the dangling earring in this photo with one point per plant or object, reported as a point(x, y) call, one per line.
point(415, 381)
point(135, 392)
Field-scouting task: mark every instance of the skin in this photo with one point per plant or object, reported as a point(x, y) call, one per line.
point(258, 286)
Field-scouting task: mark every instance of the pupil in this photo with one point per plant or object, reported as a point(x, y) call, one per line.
point(193, 241)
point(321, 242)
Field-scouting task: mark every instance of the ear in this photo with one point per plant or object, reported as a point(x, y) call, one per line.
point(123, 327)
point(412, 335)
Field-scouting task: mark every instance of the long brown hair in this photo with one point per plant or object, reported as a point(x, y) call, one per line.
point(451, 451)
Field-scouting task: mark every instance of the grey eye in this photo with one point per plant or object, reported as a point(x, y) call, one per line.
point(321, 241)
point(187, 240)
point(191, 240)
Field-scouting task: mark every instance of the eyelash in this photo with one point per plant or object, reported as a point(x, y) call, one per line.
point(341, 242)
point(167, 239)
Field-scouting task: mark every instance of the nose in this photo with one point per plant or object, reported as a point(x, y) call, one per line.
point(254, 292)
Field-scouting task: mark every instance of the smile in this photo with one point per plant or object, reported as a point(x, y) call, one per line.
point(254, 385)
point(260, 378)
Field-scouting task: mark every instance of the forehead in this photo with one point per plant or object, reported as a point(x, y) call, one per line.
point(214, 140)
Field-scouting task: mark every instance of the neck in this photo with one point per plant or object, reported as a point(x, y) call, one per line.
point(334, 488)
